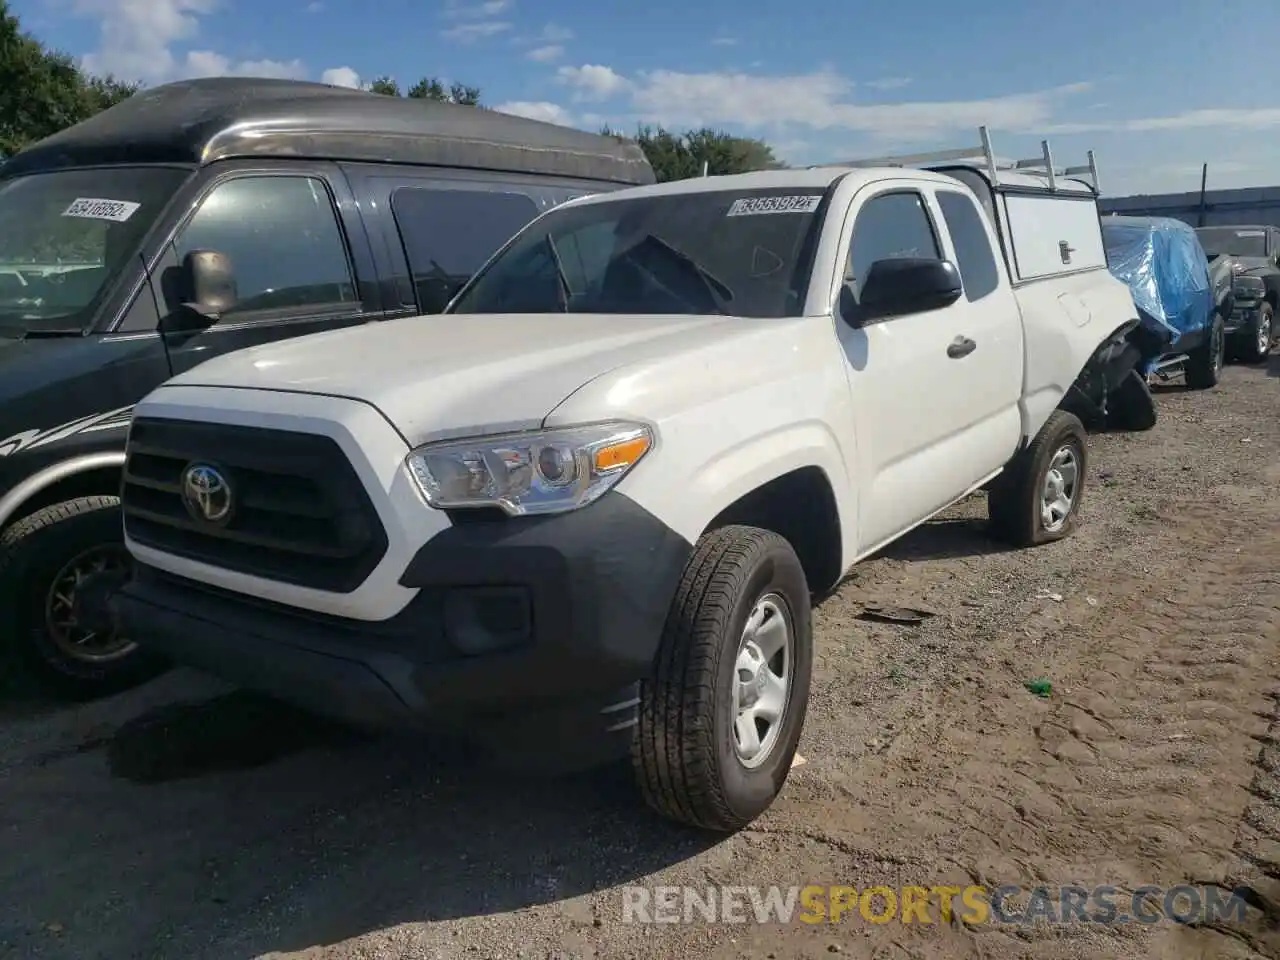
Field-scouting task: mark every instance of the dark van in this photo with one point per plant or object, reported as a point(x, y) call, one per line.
point(202, 217)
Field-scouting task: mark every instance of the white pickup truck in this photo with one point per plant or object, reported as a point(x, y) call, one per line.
point(592, 502)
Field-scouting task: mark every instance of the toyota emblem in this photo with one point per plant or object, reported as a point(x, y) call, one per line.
point(206, 493)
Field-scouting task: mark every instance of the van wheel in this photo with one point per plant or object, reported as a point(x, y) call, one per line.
point(46, 560)
point(1036, 499)
point(1203, 367)
point(721, 716)
point(1131, 406)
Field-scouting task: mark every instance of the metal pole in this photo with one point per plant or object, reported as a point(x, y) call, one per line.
point(1204, 181)
point(706, 165)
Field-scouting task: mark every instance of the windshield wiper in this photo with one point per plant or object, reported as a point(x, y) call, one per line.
point(720, 292)
point(565, 293)
point(18, 331)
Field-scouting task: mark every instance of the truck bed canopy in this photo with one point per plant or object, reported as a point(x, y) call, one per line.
point(201, 121)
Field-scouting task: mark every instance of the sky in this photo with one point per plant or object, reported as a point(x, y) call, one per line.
point(1154, 87)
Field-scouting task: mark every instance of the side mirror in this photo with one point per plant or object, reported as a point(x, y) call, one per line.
point(205, 288)
point(902, 286)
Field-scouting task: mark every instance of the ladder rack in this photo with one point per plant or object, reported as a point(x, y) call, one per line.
point(984, 155)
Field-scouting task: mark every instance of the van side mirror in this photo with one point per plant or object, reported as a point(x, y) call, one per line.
point(901, 286)
point(204, 287)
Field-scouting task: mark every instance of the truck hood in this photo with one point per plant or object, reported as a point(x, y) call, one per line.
point(443, 376)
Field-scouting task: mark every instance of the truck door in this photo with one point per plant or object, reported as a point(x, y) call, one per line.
point(912, 378)
point(293, 263)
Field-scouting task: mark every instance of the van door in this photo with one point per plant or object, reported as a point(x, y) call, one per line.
point(293, 264)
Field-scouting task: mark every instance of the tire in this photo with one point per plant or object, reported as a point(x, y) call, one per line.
point(1255, 345)
point(1204, 365)
point(1131, 406)
point(35, 553)
point(685, 751)
point(1014, 504)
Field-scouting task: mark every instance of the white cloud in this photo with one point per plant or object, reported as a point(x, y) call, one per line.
point(471, 32)
point(553, 33)
point(315, 6)
point(457, 10)
point(208, 63)
point(540, 110)
point(593, 81)
point(548, 54)
point(724, 41)
point(341, 77)
point(889, 83)
point(1260, 118)
point(822, 100)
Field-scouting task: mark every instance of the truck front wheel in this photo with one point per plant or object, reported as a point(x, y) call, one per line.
point(1037, 498)
point(46, 562)
point(1203, 367)
point(721, 716)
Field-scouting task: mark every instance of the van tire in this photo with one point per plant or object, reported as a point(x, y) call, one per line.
point(53, 544)
point(1015, 501)
point(1203, 367)
point(685, 752)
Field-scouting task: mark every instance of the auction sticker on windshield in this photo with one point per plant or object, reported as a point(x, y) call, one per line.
point(90, 208)
point(754, 206)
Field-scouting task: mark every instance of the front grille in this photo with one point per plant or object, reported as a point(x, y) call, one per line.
point(301, 514)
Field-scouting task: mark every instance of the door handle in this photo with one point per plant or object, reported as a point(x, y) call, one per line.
point(961, 347)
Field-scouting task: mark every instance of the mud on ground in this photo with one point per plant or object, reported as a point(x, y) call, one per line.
point(185, 820)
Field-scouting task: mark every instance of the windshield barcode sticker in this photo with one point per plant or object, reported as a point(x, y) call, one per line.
point(1251, 233)
point(89, 208)
point(754, 206)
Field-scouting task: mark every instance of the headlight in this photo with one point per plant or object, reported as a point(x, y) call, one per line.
point(529, 473)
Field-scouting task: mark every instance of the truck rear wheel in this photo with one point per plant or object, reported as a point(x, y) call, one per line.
point(721, 716)
point(1037, 498)
point(45, 561)
point(1203, 367)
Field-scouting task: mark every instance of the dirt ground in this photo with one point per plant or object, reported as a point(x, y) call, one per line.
point(184, 820)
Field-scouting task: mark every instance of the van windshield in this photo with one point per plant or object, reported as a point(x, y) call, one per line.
point(65, 235)
point(733, 252)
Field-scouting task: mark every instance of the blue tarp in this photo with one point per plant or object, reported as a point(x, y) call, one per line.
point(1165, 267)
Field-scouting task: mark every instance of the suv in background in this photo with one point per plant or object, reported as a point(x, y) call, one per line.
point(1253, 253)
point(200, 218)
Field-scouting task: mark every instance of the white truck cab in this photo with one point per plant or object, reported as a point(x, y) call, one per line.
point(597, 495)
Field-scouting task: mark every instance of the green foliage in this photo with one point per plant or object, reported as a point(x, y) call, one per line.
point(678, 156)
point(429, 88)
point(42, 91)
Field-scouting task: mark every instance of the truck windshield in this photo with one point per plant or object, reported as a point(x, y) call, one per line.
point(1233, 242)
point(733, 252)
point(64, 236)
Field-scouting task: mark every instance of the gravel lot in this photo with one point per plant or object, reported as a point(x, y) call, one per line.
point(184, 820)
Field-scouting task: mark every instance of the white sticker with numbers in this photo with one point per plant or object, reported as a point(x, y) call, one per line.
point(91, 208)
point(755, 206)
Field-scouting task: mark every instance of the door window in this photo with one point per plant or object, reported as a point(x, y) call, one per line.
point(449, 234)
point(890, 226)
point(974, 258)
point(282, 237)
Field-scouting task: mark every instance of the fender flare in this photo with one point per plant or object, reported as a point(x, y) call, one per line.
point(12, 501)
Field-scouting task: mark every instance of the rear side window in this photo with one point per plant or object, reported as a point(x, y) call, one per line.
point(449, 234)
point(976, 261)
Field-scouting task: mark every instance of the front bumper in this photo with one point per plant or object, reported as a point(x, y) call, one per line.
point(556, 613)
point(1244, 313)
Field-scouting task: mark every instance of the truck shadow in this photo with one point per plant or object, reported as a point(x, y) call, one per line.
point(944, 539)
point(241, 827)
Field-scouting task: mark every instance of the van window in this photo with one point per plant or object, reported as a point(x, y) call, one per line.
point(976, 262)
point(449, 234)
point(281, 234)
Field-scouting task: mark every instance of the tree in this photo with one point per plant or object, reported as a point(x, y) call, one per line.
point(429, 88)
point(676, 156)
point(43, 91)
